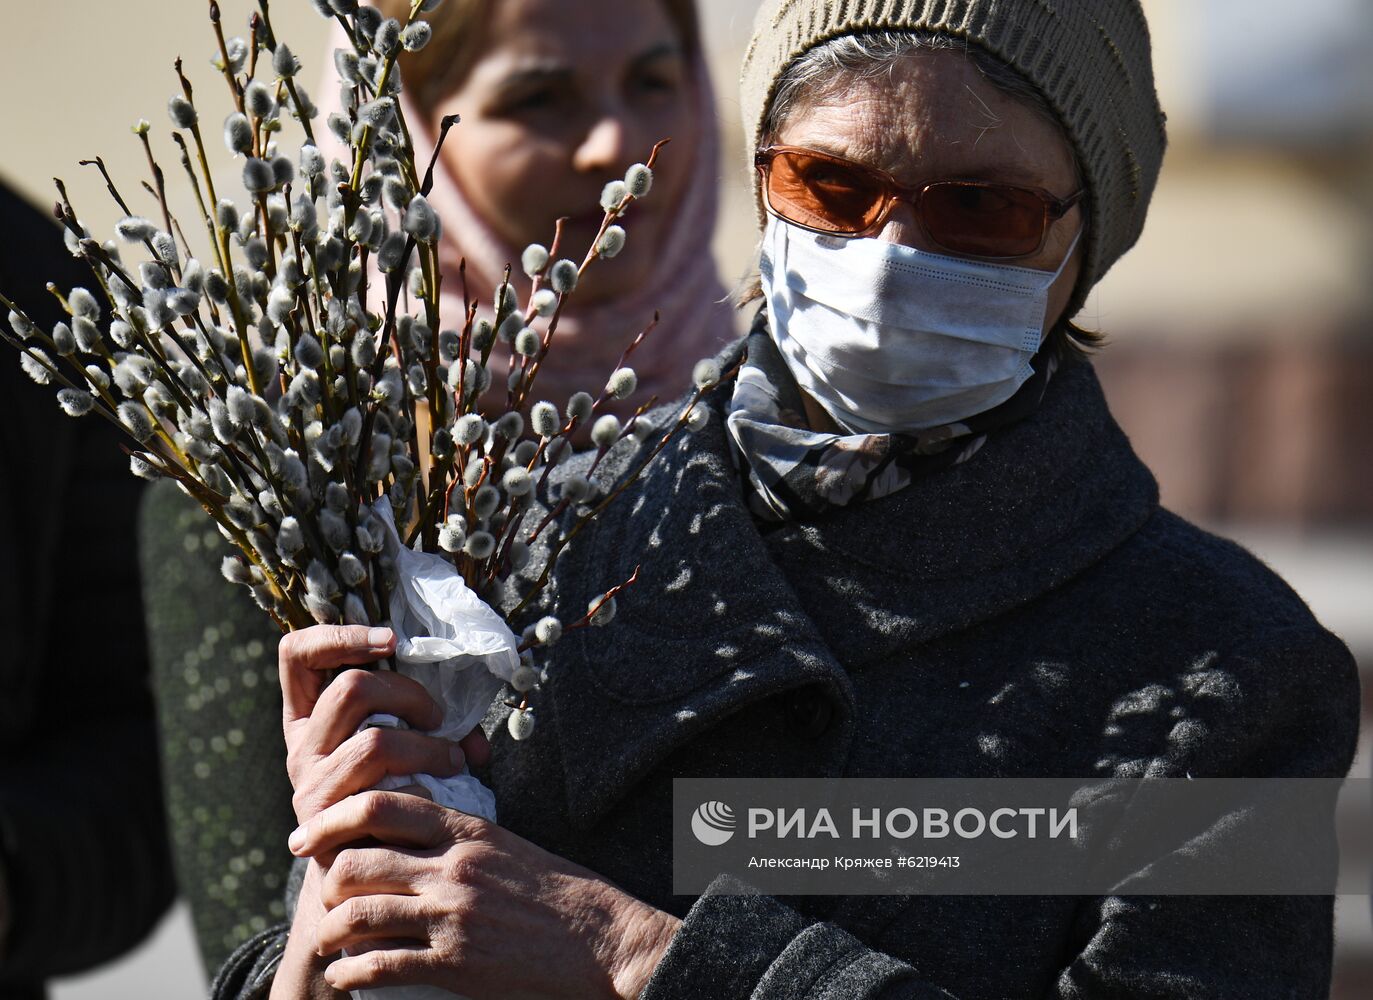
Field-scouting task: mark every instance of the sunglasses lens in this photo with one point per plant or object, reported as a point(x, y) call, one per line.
point(822, 194)
point(984, 220)
point(834, 196)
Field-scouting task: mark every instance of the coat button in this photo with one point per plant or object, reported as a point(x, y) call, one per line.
point(809, 713)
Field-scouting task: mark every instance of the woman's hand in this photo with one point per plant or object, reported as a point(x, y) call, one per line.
point(326, 758)
point(466, 905)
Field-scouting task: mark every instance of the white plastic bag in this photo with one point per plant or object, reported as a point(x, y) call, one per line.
point(453, 643)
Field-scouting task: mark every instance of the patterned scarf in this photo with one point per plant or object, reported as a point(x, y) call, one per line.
point(796, 473)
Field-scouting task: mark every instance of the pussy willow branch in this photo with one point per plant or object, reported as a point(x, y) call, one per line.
point(611, 215)
point(234, 88)
point(99, 164)
point(185, 397)
point(67, 215)
point(624, 357)
point(263, 6)
point(592, 611)
point(298, 617)
point(610, 498)
point(86, 385)
point(225, 257)
point(625, 432)
point(433, 288)
point(161, 182)
point(387, 67)
point(200, 202)
point(103, 352)
point(385, 334)
point(238, 467)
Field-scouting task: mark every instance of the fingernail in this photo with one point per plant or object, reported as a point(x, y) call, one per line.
point(378, 638)
point(296, 840)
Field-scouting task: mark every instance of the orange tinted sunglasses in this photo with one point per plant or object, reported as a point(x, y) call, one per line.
point(838, 197)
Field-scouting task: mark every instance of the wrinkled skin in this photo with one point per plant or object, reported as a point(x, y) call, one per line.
point(452, 900)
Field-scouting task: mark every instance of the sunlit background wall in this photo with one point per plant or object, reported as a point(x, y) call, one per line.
point(1241, 353)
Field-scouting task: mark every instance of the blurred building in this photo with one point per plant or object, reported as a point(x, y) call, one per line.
point(1242, 354)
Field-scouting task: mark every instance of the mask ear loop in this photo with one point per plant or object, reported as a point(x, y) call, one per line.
point(1072, 249)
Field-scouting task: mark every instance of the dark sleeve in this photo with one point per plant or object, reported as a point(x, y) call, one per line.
point(83, 838)
point(247, 974)
point(85, 842)
point(1288, 708)
point(213, 655)
point(749, 945)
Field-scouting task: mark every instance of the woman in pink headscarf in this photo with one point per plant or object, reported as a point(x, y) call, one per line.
point(556, 98)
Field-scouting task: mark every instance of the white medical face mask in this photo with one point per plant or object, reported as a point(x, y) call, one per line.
point(891, 339)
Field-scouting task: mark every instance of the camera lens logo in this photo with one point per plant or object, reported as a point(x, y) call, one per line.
point(713, 823)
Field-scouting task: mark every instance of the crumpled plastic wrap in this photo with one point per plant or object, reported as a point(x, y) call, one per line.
point(461, 650)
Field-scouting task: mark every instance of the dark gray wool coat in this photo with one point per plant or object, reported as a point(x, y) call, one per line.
point(1033, 612)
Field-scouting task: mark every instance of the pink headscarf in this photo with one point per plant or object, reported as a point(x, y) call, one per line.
point(683, 287)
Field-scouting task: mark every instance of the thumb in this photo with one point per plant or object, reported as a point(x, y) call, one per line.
point(305, 655)
point(476, 747)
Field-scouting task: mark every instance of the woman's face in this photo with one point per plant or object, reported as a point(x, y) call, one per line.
point(567, 95)
point(935, 117)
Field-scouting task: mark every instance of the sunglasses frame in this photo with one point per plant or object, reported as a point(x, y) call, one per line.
point(894, 191)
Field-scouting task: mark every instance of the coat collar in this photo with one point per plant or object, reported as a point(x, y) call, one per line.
point(723, 616)
point(1043, 500)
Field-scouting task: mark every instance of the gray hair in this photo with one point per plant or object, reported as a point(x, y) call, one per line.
point(837, 63)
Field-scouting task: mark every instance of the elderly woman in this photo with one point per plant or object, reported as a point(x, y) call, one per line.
point(910, 541)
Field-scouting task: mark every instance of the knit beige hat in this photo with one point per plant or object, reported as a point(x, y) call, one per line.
point(1090, 59)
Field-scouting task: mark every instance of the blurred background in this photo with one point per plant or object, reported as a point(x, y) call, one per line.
point(1241, 343)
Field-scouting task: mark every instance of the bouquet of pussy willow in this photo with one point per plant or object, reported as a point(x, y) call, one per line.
point(297, 380)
